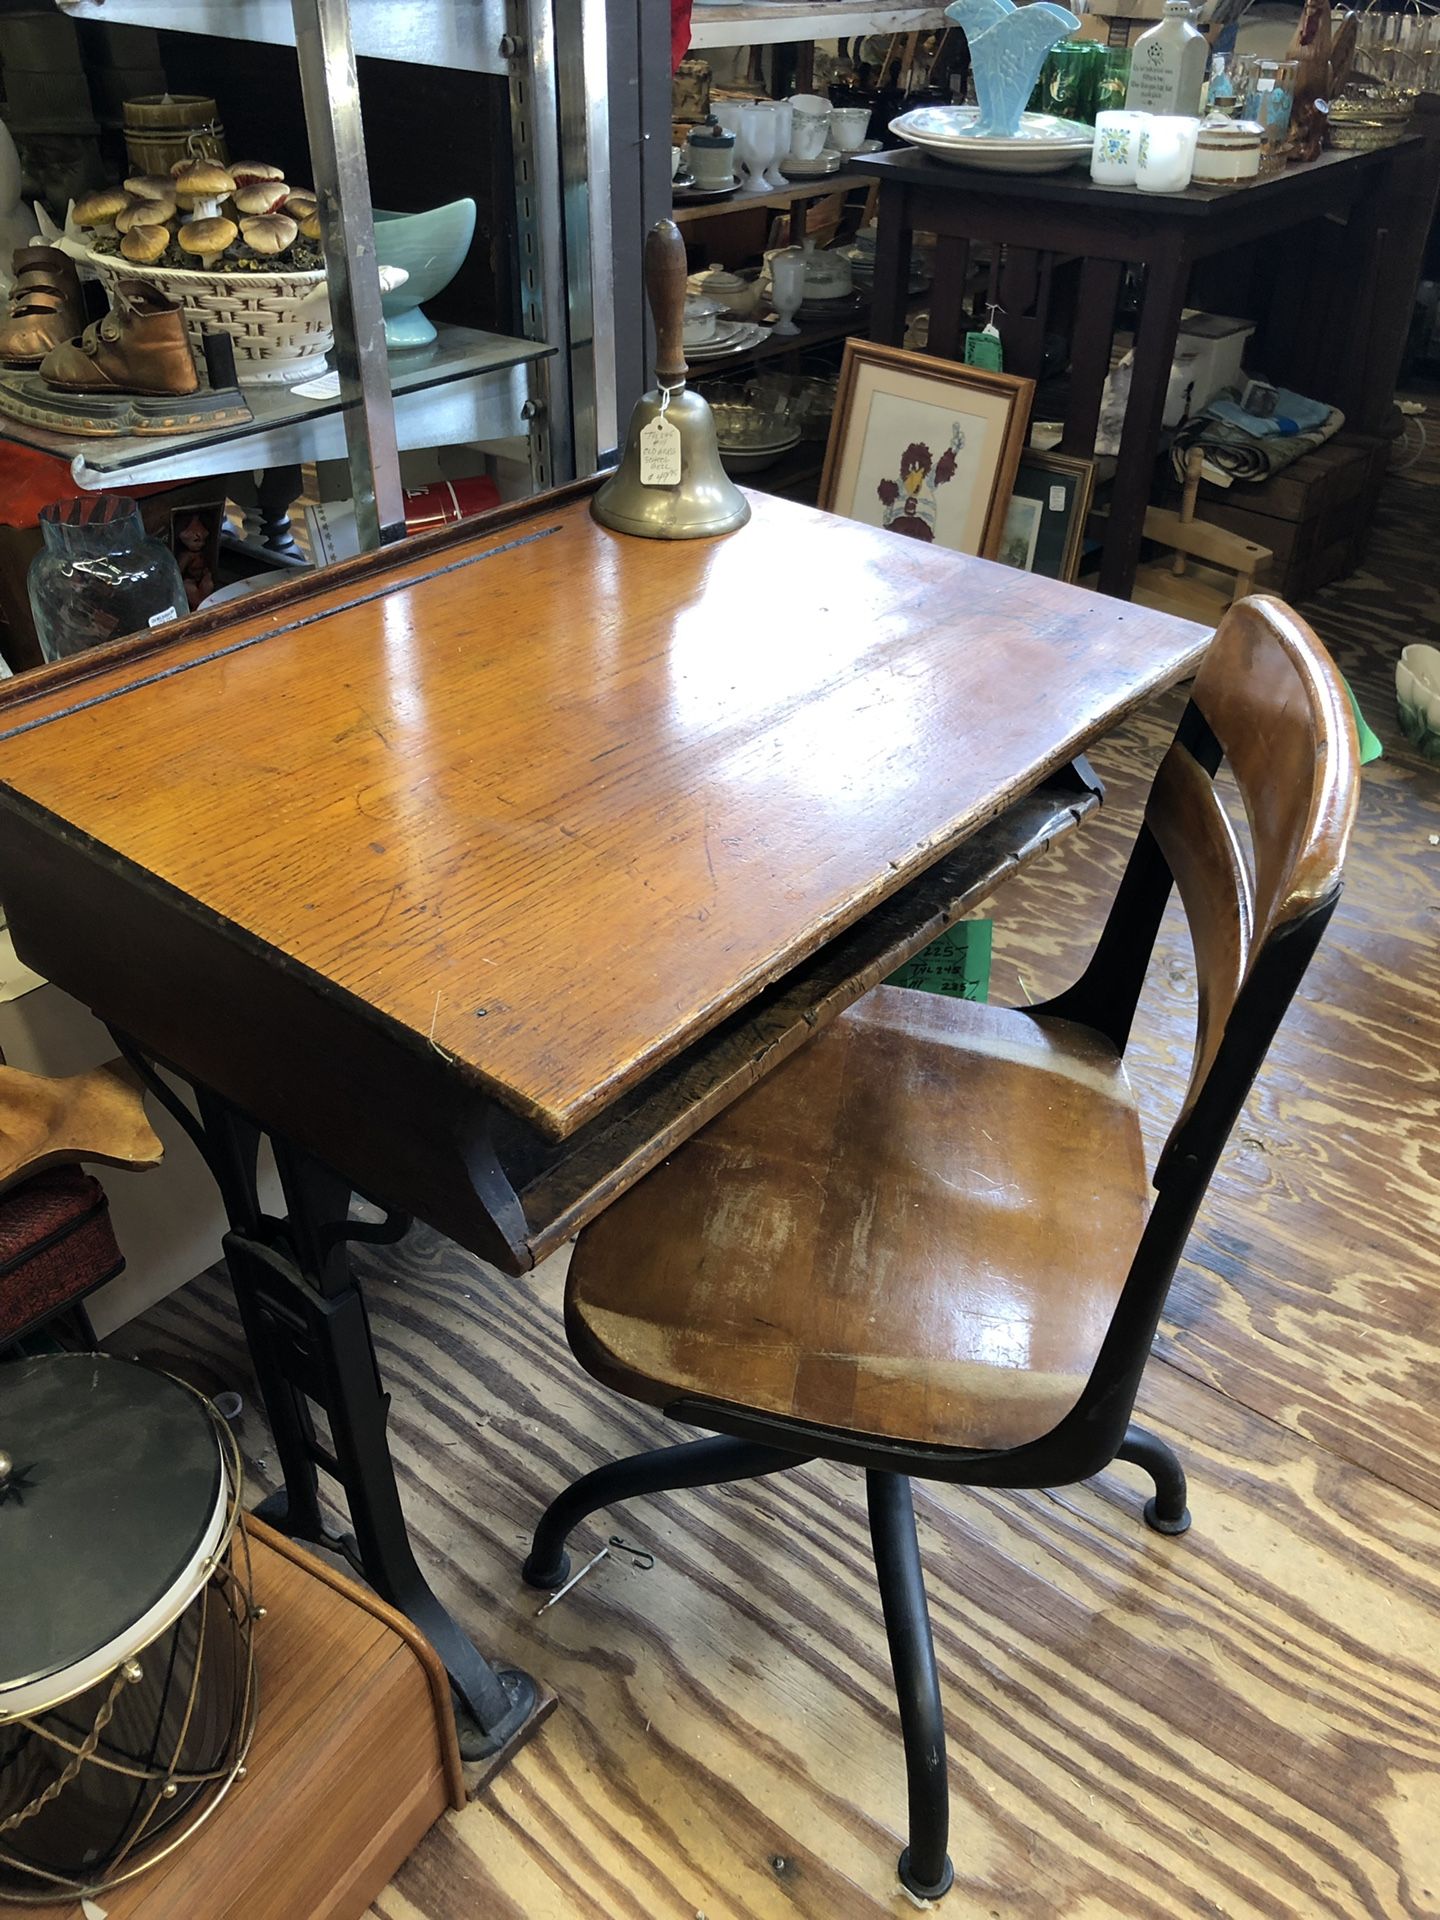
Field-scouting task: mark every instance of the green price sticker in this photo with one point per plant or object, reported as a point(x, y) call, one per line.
point(957, 963)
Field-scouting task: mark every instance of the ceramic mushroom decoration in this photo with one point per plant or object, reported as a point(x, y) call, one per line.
point(242, 217)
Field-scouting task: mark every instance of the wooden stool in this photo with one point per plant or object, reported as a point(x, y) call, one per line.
point(1200, 592)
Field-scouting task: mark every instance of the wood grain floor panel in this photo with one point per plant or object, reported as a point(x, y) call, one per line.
point(1242, 1722)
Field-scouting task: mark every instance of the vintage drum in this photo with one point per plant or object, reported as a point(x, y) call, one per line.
point(127, 1682)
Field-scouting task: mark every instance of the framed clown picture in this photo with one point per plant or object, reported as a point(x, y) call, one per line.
point(926, 448)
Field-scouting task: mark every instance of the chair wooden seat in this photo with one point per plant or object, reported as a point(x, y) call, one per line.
point(918, 1227)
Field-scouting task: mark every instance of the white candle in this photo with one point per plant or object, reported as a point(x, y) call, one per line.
point(1165, 156)
point(1117, 138)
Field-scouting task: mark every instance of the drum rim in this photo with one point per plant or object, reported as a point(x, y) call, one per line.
point(22, 1699)
point(236, 1538)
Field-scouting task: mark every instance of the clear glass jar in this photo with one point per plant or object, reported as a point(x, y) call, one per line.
point(99, 576)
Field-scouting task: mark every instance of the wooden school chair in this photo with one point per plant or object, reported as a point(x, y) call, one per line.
point(925, 1245)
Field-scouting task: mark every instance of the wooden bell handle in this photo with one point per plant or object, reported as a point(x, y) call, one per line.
point(665, 286)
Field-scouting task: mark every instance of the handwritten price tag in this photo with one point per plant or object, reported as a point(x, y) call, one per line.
point(660, 454)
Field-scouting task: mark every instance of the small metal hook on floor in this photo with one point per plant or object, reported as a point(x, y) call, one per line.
point(637, 1555)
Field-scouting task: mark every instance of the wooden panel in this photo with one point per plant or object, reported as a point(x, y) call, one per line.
point(397, 1122)
point(351, 1763)
point(917, 1230)
point(607, 1157)
point(555, 807)
point(1188, 819)
point(1243, 1720)
point(1279, 710)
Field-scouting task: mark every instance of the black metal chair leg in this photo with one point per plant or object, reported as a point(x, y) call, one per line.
point(1167, 1511)
point(924, 1867)
point(696, 1463)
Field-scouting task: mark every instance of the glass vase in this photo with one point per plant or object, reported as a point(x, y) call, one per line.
point(99, 576)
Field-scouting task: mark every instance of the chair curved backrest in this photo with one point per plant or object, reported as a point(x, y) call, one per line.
point(1270, 702)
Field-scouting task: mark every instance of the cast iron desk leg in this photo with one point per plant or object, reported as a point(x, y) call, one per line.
point(309, 1339)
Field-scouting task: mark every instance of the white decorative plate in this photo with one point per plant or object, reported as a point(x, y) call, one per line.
point(1044, 144)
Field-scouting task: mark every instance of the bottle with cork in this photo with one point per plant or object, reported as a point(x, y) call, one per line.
point(1167, 68)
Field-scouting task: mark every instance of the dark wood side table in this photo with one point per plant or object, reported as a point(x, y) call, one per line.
point(1061, 216)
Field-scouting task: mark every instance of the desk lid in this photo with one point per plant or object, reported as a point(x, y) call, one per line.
point(552, 801)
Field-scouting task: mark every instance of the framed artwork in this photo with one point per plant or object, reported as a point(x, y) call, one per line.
point(1045, 521)
point(926, 448)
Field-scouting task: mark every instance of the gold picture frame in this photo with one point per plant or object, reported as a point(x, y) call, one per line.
point(925, 447)
point(1044, 529)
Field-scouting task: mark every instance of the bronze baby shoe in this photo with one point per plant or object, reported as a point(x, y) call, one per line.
point(139, 347)
point(46, 306)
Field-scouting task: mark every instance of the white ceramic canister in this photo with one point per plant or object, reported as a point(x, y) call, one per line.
point(1227, 152)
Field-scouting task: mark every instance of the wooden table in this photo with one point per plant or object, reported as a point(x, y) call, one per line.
point(1043, 219)
point(480, 872)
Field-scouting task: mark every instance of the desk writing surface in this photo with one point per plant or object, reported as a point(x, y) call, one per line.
point(554, 801)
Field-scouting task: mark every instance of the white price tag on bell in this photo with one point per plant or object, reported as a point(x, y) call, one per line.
point(660, 450)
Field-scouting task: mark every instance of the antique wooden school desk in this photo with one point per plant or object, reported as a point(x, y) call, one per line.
point(480, 872)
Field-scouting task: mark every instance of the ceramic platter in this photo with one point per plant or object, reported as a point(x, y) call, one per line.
point(1044, 144)
point(827, 162)
point(745, 334)
point(697, 196)
point(755, 459)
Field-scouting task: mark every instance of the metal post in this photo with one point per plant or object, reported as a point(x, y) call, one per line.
point(583, 99)
point(342, 187)
point(540, 217)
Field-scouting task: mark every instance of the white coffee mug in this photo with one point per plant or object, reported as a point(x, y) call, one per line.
point(1165, 154)
point(807, 134)
point(1115, 155)
point(849, 127)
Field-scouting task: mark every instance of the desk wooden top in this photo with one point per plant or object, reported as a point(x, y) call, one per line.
point(551, 801)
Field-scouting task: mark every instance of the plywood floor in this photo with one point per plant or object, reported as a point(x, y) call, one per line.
point(1245, 1721)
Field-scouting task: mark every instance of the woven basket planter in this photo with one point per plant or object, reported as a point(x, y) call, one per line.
point(277, 337)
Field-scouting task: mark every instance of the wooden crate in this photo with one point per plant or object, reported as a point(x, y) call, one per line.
point(354, 1760)
point(1314, 515)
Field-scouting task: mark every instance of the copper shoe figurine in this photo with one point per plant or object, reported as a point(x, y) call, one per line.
point(46, 306)
point(139, 347)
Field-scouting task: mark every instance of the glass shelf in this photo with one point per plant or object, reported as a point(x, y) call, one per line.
point(466, 385)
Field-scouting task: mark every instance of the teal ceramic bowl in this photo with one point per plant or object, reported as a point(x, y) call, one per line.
point(431, 247)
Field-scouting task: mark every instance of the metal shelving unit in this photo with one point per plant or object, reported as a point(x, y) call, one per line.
point(566, 383)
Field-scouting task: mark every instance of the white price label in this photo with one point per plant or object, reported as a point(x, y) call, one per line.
point(1264, 86)
point(163, 618)
point(1057, 499)
point(660, 454)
